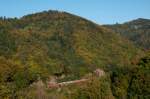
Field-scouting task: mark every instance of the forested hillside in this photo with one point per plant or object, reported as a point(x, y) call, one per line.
point(44, 44)
point(137, 31)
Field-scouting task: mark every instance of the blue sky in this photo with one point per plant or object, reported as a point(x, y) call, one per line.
point(99, 11)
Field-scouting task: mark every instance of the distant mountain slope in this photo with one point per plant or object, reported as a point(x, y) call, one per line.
point(51, 42)
point(137, 31)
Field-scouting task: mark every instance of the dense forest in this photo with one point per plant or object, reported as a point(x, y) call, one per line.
point(37, 46)
point(138, 31)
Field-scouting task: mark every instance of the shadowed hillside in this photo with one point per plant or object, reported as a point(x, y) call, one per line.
point(137, 31)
